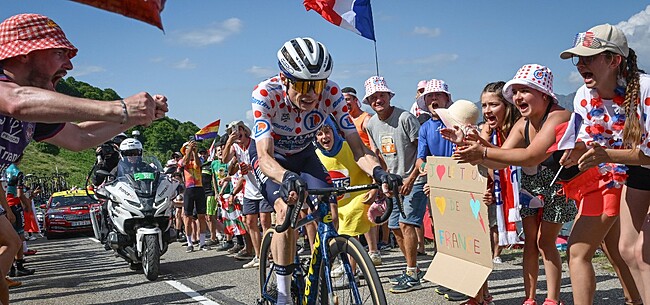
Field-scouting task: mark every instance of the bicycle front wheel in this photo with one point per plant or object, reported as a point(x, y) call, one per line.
point(368, 290)
point(268, 281)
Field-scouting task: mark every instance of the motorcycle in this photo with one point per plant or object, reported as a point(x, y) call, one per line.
point(135, 217)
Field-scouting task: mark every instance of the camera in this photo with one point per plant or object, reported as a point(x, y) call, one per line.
point(106, 149)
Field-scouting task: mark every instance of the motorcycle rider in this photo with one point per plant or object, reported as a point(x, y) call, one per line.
point(107, 158)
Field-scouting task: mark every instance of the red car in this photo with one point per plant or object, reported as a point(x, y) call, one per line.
point(68, 212)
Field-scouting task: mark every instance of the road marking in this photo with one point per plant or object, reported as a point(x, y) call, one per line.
point(191, 293)
point(94, 239)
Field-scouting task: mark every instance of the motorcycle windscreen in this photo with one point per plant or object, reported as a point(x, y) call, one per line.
point(140, 175)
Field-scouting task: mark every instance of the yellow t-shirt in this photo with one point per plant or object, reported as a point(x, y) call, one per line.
point(344, 171)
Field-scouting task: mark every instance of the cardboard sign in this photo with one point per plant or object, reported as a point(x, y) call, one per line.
point(461, 227)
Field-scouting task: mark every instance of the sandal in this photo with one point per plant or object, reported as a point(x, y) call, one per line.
point(552, 302)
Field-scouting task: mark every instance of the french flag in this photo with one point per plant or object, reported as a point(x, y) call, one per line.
point(354, 15)
point(566, 133)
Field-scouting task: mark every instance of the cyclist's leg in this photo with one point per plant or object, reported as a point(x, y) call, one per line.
point(283, 246)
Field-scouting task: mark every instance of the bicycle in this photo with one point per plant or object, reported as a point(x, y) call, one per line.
point(311, 283)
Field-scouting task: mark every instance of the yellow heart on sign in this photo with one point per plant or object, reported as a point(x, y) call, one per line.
point(441, 203)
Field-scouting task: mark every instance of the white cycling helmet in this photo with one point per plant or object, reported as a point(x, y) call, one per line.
point(131, 147)
point(305, 58)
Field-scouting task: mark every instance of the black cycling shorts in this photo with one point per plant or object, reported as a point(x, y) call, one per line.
point(194, 199)
point(305, 163)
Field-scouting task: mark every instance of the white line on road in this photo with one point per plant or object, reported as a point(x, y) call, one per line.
point(191, 293)
point(94, 239)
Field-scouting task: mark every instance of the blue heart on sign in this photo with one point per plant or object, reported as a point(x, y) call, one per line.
point(476, 206)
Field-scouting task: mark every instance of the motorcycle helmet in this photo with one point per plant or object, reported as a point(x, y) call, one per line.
point(119, 138)
point(131, 147)
point(305, 58)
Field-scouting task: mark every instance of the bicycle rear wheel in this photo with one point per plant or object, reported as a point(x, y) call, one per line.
point(268, 281)
point(369, 289)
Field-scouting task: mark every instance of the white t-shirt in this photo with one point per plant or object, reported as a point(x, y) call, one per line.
point(612, 132)
point(251, 189)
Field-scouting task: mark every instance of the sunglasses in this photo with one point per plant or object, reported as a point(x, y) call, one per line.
point(131, 153)
point(589, 40)
point(585, 60)
point(304, 86)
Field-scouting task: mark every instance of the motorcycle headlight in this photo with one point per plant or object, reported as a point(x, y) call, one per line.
point(133, 203)
point(160, 202)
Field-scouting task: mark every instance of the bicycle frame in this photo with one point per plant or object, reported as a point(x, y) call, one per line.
point(308, 284)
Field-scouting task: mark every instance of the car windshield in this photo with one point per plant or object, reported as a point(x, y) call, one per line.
point(59, 202)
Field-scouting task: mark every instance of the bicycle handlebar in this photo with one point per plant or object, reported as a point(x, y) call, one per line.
point(293, 211)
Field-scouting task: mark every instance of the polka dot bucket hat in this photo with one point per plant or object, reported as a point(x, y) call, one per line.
point(376, 84)
point(534, 76)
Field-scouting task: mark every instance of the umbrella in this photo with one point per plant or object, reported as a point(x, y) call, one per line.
point(143, 10)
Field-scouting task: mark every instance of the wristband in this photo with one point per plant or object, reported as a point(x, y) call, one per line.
point(485, 153)
point(125, 113)
point(423, 165)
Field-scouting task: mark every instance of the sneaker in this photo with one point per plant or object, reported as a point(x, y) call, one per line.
point(422, 254)
point(205, 247)
point(383, 246)
point(225, 246)
point(442, 290)
point(394, 280)
point(421, 274)
point(337, 272)
point(211, 242)
point(236, 248)
point(11, 283)
point(24, 271)
point(552, 302)
point(375, 258)
point(453, 295)
point(473, 301)
point(243, 255)
point(497, 260)
point(31, 238)
point(530, 302)
point(189, 249)
point(406, 284)
point(342, 282)
point(252, 264)
point(30, 252)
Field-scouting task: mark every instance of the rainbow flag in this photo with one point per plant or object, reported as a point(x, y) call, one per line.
point(209, 131)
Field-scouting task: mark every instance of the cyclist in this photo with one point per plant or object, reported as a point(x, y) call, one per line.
point(288, 110)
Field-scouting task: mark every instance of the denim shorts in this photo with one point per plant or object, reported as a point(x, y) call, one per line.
point(415, 205)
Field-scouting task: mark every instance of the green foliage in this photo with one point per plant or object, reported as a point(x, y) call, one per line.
point(160, 139)
point(47, 148)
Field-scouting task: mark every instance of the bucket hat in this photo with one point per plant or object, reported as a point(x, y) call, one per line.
point(461, 113)
point(24, 33)
point(376, 84)
point(534, 76)
point(434, 85)
point(232, 124)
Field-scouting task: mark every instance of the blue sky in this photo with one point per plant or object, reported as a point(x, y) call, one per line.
point(213, 53)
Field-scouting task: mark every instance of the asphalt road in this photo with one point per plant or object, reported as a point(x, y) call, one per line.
point(78, 270)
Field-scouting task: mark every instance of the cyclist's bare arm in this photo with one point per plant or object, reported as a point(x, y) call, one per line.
point(269, 166)
point(365, 158)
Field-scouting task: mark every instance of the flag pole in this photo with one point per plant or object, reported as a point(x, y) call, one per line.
point(559, 170)
point(376, 60)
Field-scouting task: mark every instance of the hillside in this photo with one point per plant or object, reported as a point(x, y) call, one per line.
point(160, 139)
